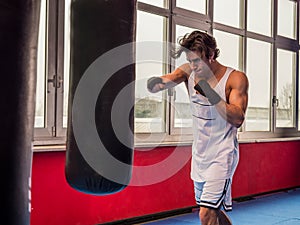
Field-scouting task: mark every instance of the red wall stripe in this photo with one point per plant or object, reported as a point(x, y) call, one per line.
point(263, 167)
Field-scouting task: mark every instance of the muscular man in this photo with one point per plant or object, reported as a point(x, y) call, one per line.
point(218, 99)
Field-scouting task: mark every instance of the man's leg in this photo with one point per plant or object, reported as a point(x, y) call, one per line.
point(223, 218)
point(210, 216)
point(210, 195)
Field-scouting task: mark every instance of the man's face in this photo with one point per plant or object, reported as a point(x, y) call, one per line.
point(198, 62)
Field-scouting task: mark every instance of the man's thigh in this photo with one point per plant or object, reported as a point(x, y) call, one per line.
point(212, 194)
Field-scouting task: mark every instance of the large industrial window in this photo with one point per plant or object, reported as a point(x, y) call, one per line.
point(258, 60)
point(150, 108)
point(259, 37)
point(49, 118)
point(193, 5)
point(230, 46)
point(182, 113)
point(287, 18)
point(231, 16)
point(285, 87)
point(40, 109)
point(259, 17)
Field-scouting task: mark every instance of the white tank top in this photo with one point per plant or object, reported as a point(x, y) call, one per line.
point(215, 145)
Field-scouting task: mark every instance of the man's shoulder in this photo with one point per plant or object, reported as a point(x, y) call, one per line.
point(237, 73)
point(237, 80)
point(237, 76)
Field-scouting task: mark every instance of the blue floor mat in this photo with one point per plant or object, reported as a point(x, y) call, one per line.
point(275, 209)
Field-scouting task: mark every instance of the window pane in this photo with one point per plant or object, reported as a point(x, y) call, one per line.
point(287, 18)
point(41, 70)
point(182, 113)
point(66, 62)
point(159, 3)
point(223, 15)
point(259, 16)
point(149, 108)
point(285, 116)
point(193, 5)
point(258, 73)
point(229, 45)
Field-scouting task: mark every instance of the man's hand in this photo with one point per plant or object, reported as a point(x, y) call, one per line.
point(203, 88)
point(155, 84)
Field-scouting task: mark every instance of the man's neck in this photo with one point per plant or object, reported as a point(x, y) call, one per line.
point(218, 69)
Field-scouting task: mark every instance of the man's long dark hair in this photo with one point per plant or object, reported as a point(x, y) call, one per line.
point(198, 41)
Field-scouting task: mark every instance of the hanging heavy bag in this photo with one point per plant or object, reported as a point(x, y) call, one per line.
point(98, 161)
point(19, 20)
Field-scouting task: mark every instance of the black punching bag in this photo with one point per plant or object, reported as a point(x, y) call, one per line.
point(101, 98)
point(18, 53)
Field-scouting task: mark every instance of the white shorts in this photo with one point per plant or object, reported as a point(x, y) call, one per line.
point(214, 194)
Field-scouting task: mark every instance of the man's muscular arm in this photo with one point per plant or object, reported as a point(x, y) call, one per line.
point(169, 80)
point(234, 110)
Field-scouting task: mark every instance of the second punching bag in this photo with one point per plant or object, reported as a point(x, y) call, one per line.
point(100, 118)
point(19, 28)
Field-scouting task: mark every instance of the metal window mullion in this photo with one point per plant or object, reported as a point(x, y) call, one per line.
point(170, 93)
point(190, 14)
point(243, 51)
point(51, 67)
point(243, 14)
point(189, 18)
point(296, 86)
point(210, 13)
point(297, 91)
point(55, 67)
point(259, 37)
point(228, 29)
point(297, 65)
point(60, 131)
point(298, 22)
point(287, 43)
point(274, 67)
point(191, 22)
point(46, 131)
point(153, 9)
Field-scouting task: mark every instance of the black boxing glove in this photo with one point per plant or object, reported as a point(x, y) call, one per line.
point(204, 88)
point(153, 81)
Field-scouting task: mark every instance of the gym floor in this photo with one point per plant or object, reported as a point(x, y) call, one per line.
point(282, 208)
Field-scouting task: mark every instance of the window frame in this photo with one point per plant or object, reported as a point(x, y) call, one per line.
point(55, 134)
point(183, 17)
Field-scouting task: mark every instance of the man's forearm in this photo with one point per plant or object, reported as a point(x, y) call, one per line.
point(231, 113)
